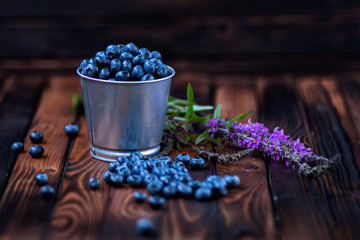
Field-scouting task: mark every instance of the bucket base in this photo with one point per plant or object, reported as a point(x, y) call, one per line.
point(111, 156)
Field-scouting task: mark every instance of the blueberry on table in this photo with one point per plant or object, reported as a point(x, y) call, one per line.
point(197, 163)
point(132, 48)
point(169, 191)
point(104, 73)
point(139, 197)
point(36, 137)
point(107, 176)
point(184, 158)
point(17, 147)
point(94, 183)
point(147, 77)
point(156, 202)
point(41, 179)
point(115, 65)
point(134, 181)
point(122, 76)
point(145, 228)
point(155, 186)
point(71, 130)
point(232, 181)
point(137, 153)
point(116, 180)
point(203, 194)
point(36, 151)
point(47, 192)
point(185, 190)
point(122, 159)
point(137, 72)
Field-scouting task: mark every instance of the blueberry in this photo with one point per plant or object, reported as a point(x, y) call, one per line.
point(182, 177)
point(137, 72)
point(156, 202)
point(138, 59)
point(94, 183)
point(139, 197)
point(145, 52)
point(71, 130)
point(127, 65)
point(121, 48)
point(137, 169)
point(123, 170)
point(47, 192)
point(203, 194)
point(17, 147)
point(197, 163)
point(101, 59)
point(91, 70)
point(126, 56)
point(159, 171)
point(138, 154)
point(150, 165)
point(36, 151)
point(178, 164)
point(149, 67)
point(172, 171)
point(122, 76)
point(232, 181)
point(156, 61)
point(115, 65)
point(83, 64)
point(183, 157)
point(112, 166)
point(166, 179)
point(185, 190)
point(169, 191)
point(122, 159)
point(161, 71)
point(132, 48)
point(112, 51)
point(147, 77)
point(206, 184)
point(145, 228)
point(41, 179)
point(156, 54)
point(107, 176)
point(194, 184)
point(147, 179)
point(155, 186)
point(134, 181)
point(116, 180)
point(112, 79)
point(104, 73)
point(36, 137)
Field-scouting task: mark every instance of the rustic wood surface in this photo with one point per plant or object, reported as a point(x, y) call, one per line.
point(272, 201)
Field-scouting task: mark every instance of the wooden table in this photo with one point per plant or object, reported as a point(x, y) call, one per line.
point(272, 201)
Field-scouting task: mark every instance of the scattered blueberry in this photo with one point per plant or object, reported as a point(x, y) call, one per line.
point(134, 181)
point(71, 130)
point(203, 194)
point(116, 180)
point(145, 228)
point(184, 158)
point(36, 137)
point(139, 197)
point(36, 151)
point(156, 202)
point(137, 154)
point(155, 186)
point(41, 179)
point(17, 147)
point(197, 163)
point(232, 181)
point(169, 191)
point(94, 183)
point(47, 192)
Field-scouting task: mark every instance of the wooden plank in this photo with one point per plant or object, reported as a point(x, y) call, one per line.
point(78, 213)
point(18, 100)
point(245, 212)
point(23, 212)
point(318, 207)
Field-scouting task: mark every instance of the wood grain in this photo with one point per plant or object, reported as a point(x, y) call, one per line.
point(18, 101)
point(245, 212)
point(23, 212)
point(78, 213)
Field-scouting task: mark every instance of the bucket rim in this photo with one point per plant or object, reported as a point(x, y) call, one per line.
point(127, 82)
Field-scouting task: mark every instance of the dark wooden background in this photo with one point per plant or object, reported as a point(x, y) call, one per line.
point(205, 35)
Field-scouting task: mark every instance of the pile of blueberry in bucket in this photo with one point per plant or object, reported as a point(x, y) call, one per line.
point(166, 179)
point(125, 62)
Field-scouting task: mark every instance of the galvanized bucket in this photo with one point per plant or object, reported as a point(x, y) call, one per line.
point(124, 116)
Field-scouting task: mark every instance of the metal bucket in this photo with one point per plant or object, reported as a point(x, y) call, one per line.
point(124, 116)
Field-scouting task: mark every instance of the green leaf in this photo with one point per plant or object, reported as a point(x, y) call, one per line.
point(201, 108)
point(217, 111)
point(198, 119)
point(170, 126)
point(178, 145)
point(239, 117)
point(77, 104)
point(203, 136)
point(174, 114)
point(190, 103)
